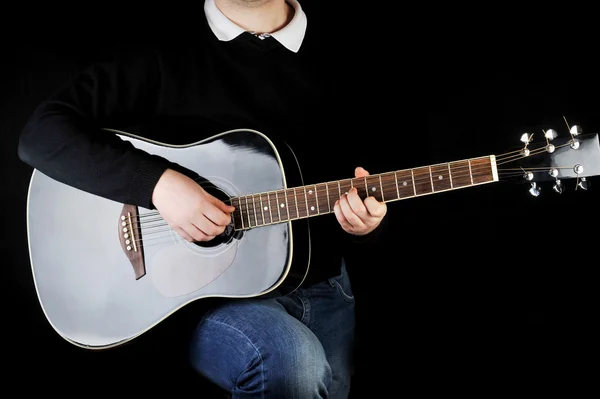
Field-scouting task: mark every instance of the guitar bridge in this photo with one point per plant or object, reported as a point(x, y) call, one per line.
point(130, 237)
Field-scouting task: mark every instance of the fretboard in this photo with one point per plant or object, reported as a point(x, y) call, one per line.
point(263, 209)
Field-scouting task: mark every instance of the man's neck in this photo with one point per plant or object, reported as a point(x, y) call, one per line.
point(260, 16)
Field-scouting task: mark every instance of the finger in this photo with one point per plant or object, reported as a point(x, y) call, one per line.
point(206, 226)
point(360, 172)
point(357, 204)
point(337, 210)
point(184, 234)
point(349, 214)
point(216, 215)
point(375, 208)
point(221, 205)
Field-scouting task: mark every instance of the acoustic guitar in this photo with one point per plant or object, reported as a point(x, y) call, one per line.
point(106, 272)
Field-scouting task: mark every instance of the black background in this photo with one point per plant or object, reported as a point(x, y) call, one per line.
point(482, 289)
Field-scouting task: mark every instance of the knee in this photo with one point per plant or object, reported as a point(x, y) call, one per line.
point(297, 368)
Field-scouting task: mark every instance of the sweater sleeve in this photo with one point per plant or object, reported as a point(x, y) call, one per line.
point(65, 140)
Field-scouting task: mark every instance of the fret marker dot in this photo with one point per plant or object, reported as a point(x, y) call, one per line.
point(266, 208)
point(310, 191)
point(373, 189)
point(282, 205)
point(404, 184)
point(312, 208)
point(441, 177)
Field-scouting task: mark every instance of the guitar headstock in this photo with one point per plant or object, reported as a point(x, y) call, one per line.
point(553, 158)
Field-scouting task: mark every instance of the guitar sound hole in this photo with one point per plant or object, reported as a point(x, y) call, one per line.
point(229, 233)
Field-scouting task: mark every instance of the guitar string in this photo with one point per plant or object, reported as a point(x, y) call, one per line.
point(251, 214)
point(386, 181)
point(389, 186)
point(500, 159)
point(145, 226)
point(419, 178)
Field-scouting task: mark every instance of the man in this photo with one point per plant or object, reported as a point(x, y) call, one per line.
point(256, 64)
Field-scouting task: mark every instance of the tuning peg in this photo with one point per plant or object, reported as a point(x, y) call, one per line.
point(550, 135)
point(534, 190)
point(526, 138)
point(575, 131)
point(558, 187)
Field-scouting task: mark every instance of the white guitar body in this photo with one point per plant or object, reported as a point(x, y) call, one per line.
point(85, 280)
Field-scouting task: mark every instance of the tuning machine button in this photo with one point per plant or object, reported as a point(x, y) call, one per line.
point(534, 190)
point(558, 186)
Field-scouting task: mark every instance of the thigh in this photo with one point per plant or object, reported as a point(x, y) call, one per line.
point(254, 347)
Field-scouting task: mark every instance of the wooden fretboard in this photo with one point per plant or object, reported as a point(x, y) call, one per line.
point(262, 209)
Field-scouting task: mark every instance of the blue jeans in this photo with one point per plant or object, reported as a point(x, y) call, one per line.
point(296, 346)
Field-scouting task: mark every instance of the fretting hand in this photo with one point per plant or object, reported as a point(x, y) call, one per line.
point(356, 216)
point(192, 212)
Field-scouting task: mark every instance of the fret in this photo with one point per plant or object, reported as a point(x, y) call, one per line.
point(266, 208)
point(237, 213)
point(374, 187)
point(345, 186)
point(311, 200)
point(412, 175)
point(470, 172)
point(277, 205)
point(396, 181)
point(450, 176)
point(306, 202)
point(254, 210)
point(422, 180)
point(327, 194)
point(292, 203)
point(333, 189)
point(262, 210)
point(381, 188)
point(322, 198)
point(405, 183)
point(360, 184)
point(460, 174)
point(298, 216)
point(273, 207)
point(250, 214)
point(339, 189)
point(482, 170)
point(287, 208)
point(389, 186)
point(440, 177)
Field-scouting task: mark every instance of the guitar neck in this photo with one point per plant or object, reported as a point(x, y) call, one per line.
point(279, 206)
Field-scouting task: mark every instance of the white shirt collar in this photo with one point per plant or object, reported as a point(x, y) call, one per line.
point(290, 36)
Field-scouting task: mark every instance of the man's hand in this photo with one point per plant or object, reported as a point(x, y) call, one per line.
point(356, 216)
point(188, 208)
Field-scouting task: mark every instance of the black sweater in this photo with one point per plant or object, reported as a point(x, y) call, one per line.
point(181, 95)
